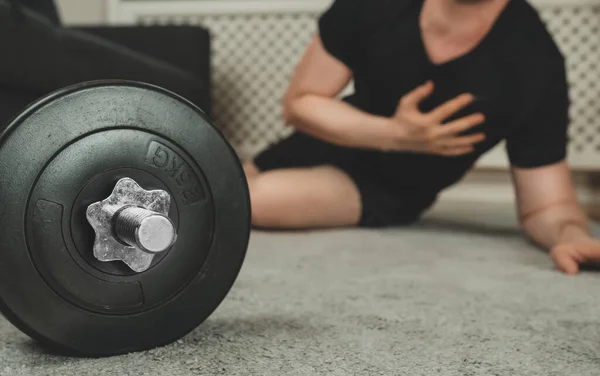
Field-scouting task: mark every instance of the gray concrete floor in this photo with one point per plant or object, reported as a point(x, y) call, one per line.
point(456, 295)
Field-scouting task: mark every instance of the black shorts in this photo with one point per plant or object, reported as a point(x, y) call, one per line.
point(384, 203)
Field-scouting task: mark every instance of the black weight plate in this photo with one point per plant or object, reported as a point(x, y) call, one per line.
point(67, 151)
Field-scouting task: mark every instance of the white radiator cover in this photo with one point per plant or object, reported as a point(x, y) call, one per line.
point(257, 43)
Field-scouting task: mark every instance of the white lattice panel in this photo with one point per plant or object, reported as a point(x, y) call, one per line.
point(256, 45)
point(251, 73)
point(577, 32)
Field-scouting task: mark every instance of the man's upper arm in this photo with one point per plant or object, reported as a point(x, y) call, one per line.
point(326, 67)
point(539, 134)
point(537, 143)
point(318, 73)
point(339, 30)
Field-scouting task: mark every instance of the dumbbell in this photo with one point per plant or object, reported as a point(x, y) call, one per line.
point(124, 218)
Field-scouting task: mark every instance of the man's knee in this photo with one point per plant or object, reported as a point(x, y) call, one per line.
point(250, 170)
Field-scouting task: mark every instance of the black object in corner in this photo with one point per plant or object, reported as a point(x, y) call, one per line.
point(40, 56)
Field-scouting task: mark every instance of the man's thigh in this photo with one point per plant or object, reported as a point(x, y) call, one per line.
point(309, 197)
point(381, 204)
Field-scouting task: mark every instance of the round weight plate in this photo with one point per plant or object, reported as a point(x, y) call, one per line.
point(67, 151)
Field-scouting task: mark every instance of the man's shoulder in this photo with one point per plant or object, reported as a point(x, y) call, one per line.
point(373, 9)
point(385, 3)
point(531, 55)
point(375, 13)
point(386, 6)
point(530, 38)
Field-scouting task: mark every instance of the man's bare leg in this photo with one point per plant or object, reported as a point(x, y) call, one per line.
point(302, 197)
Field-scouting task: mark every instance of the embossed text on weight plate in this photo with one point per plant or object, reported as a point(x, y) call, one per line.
point(167, 160)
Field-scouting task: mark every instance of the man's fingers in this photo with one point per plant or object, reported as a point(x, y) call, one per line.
point(588, 252)
point(565, 259)
point(413, 98)
point(460, 125)
point(445, 110)
point(569, 257)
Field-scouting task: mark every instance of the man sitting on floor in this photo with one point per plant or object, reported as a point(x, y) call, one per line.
point(437, 84)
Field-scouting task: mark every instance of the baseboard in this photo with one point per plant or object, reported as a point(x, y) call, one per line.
point(497, 188)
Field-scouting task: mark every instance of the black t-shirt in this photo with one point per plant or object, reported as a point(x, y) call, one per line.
point(517, 75)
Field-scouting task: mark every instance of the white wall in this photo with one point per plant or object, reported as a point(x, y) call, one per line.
point(82, 12)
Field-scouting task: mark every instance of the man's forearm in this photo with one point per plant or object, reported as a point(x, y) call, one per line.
point(562, 222)
point(337, 122)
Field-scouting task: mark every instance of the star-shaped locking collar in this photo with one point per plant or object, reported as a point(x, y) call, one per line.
point(132, 225)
